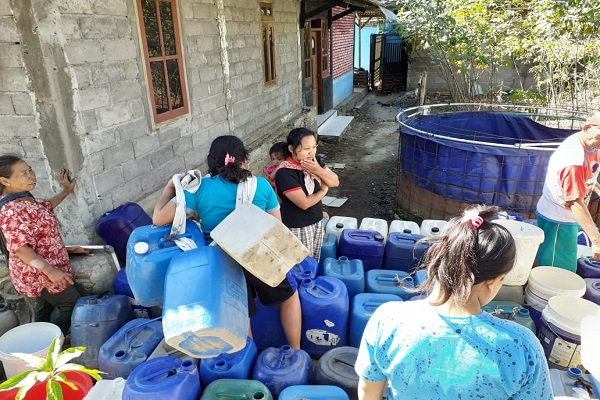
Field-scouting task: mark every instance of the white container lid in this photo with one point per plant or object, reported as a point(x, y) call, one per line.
point(566, 312)
point(551, 281)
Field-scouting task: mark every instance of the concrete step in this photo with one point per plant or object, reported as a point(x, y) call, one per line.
point(323, 118)
point(334, 127)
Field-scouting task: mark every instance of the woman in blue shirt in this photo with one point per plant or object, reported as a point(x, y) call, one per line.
point(214, 200)
point(444, 346)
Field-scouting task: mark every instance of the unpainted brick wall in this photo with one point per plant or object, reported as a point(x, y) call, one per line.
point(342, 49)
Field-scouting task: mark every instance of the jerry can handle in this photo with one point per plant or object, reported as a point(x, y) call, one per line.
point(129, 340)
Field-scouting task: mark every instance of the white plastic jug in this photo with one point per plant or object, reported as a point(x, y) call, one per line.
point(337, 224)
point(375, 224)
point(259, 242)
point(404, 227)
point(528, 238)
point(106, 390)
point(432, 227)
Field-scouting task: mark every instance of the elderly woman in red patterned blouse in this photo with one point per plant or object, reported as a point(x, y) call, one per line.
point(38, 262)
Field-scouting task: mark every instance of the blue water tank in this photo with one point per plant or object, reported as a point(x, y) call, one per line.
point(279, 368)
point(367, 246)
point(163, 378)
point(351, 272)
point(363, 306)
point(149, 251)
point(587, 267)
point(94, 320)
point(116, 226)
point(402, 251)
point(236, 365)
point(130, 346)
point(399, 283)
point(205, 311)
point(324, 304)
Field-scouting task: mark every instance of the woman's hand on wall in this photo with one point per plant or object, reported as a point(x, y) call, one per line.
point(68, 182)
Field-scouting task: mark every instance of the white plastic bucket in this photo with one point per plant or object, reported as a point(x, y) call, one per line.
point(528, 239)
point(560, 330)
point(432, 227)
point(583, 251)
point(375, 224)
point(590, 351)
point(546, 282)
point(33, 338)
point(404, 226)
point(338, 223)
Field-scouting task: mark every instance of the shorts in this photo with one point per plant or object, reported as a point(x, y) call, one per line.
point(559, 248)
point(268, 296)
point(311, 236)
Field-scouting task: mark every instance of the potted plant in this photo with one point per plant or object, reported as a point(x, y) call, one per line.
point(54, 376)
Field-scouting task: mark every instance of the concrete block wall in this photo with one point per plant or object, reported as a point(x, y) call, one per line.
point(506, 77)
point(73, 93)
point(342, 48)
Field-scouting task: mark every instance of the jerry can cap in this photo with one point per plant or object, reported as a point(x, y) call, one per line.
point(141, 247)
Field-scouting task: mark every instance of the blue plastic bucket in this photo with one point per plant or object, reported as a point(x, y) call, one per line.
point(279, 368)
point(163, 378)
point(205, 311)
point(560, 329)
point(94, 320)
point(324, 304)
point(236, 365)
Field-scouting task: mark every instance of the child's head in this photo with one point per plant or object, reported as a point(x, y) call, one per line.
point(278, 153)
point(470, 250)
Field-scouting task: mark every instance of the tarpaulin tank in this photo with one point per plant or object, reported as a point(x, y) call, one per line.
point(163, 378)
point(236, 365)
point(130, 346)
point(324, 304)
point(279, 368)
point(367, 246)
point(116, 226)
point(94, 320)
point(149, 251)
point(205, 310)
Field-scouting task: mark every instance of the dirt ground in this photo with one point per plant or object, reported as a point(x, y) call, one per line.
point(369, 150)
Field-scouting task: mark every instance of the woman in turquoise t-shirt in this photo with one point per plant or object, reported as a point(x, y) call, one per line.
point(214, 200)
point(444, 346)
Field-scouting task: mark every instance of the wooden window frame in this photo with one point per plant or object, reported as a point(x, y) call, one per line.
point(172, 113)
point(307, 70)
point(267, 34)
point(325, 47)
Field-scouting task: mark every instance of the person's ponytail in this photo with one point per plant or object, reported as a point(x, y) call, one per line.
point(226, 157)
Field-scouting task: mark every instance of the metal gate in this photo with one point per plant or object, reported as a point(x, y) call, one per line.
point(388, 63)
